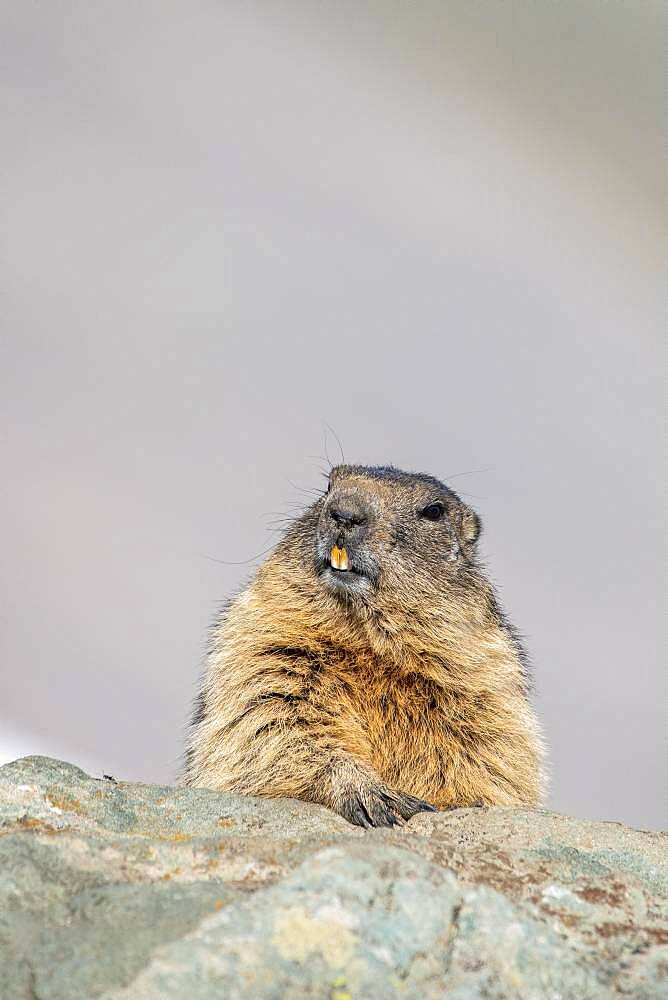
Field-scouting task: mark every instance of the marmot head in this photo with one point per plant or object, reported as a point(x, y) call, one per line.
point(378, 531)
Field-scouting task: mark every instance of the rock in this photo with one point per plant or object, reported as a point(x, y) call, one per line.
point(117, 890)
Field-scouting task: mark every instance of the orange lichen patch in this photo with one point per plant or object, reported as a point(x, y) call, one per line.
point(226, 822)
point(648, 935)
point(567, 919)
point(610, 929)
point(30, 823)
point(169, 875)
point(219, 904)
point(613, 896)
point(64, 802)
point(222, 846)
point(168, 836)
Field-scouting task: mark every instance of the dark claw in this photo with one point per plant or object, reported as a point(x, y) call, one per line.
point(367, 810)
point(355, 813)
point(409, 805)
point(382, 813)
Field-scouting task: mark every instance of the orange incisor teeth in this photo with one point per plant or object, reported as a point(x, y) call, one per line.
point(338, 558)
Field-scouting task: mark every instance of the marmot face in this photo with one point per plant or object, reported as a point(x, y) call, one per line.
point(379, 531)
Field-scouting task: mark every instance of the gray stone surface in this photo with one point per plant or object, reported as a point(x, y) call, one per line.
point(119, 890)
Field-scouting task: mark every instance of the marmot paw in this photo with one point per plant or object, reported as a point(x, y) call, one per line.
point(381, 806)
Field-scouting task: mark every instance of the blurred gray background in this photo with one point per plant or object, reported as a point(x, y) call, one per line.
point(435, 228)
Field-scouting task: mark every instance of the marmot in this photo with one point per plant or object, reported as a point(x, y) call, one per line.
point(368, 666)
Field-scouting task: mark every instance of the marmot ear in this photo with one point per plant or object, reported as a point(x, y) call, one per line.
point(467, 526)
point(470, 528)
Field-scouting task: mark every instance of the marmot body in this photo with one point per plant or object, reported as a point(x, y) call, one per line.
point(368, 667)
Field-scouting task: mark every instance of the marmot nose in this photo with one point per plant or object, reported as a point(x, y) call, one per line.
point(348, 515)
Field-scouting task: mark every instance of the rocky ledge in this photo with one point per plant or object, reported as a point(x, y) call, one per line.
point(118, 890)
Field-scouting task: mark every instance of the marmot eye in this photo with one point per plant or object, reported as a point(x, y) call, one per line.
point(434, 511)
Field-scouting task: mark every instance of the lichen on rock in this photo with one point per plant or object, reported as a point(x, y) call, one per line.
point(121, 890)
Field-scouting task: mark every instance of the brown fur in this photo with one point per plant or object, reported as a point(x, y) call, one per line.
point(370, 703)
